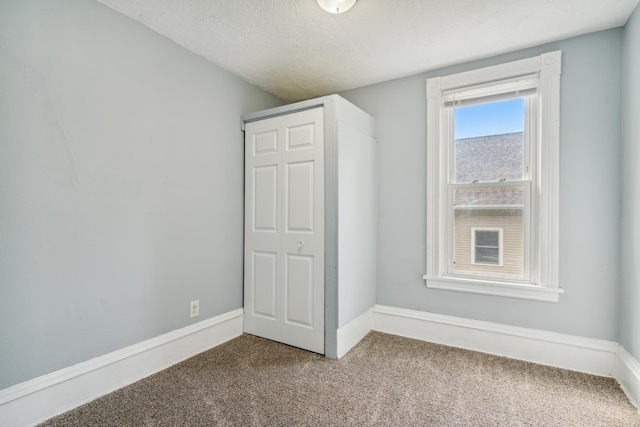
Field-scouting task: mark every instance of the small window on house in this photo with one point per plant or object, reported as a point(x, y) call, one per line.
point(487, 246)
point(492, 179)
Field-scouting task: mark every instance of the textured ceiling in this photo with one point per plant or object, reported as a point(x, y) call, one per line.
point(295, 50)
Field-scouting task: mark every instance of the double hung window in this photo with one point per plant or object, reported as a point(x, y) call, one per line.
point(492, 184)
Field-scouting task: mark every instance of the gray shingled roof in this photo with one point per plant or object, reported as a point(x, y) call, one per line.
point(487, 159)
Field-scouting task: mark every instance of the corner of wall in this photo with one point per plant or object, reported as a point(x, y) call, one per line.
point(354, 331)
point(627, 374)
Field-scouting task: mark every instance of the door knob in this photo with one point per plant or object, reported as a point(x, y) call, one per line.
point(300, 244)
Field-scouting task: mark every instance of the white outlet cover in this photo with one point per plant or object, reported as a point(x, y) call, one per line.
point(194, 308)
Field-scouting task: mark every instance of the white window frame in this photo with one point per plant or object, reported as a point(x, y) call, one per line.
point(498, 230)
point(541, 281)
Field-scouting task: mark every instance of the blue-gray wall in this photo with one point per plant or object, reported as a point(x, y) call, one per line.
point(121, 185)
point(589, 193)
point(630, 228)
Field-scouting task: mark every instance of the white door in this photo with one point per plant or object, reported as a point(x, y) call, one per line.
point(284, 229)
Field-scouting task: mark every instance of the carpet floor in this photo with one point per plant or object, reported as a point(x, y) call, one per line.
point(385, 380)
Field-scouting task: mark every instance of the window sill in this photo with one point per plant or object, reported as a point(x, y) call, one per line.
point(503, 289)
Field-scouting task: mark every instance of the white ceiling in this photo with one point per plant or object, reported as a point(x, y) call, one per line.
point(295, 50)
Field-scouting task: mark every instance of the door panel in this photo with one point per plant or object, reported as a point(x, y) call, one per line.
point(265, 143)
point(265, 197)
point(299, 201)
point(301, 137)
point(264, 281)
point(284, 229)
point(299, 290)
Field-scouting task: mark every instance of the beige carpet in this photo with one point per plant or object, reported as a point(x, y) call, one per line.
point(384, 381)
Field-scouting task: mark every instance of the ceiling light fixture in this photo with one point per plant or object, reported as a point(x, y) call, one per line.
point(336, 6)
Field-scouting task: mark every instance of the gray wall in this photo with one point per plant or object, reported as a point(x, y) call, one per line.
point(589, 192)
point(121, 185)
point(630, 228)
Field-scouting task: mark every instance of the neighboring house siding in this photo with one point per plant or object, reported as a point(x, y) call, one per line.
point(510, 220)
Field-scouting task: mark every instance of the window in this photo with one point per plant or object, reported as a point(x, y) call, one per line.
point(487, 246)
point(492, 179)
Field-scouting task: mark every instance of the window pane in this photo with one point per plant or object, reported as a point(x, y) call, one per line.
point(489, 141)
point(478, 214)
point(487, 238)
point(488, 255)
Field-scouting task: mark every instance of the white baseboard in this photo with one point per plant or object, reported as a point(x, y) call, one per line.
point(351, 334)
point(36, 400)
point(590, 355)
point(628, 375)
point(33, 401)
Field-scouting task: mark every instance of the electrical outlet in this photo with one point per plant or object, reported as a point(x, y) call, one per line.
point(194, 308)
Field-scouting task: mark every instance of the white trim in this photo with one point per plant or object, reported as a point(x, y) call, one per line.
point(494, 287)
point(33, 401)
point(628, 375)
point(590, 355)
point(36, 400)
point(509, 70)
point(548, 177)
point(351, 333)
point(542, 249)
point(506, 89)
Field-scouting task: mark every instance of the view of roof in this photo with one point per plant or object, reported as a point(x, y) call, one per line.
point(490, 158)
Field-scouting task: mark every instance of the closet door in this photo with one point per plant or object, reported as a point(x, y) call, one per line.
point(284, 229)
